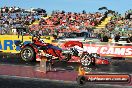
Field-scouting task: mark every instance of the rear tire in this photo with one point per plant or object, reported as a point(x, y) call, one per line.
point(28, 54)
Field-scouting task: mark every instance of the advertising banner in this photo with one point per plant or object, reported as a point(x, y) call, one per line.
point(106, 49)
point(7, 44)
point(109, 50)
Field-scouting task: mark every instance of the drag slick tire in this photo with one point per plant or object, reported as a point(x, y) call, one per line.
point(27, 54)
point(86, 60)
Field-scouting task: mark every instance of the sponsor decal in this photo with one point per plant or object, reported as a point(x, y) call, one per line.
point(7, 42)
point(108, 78)
point(107, 50)
point(11, 45)
point(8, 45)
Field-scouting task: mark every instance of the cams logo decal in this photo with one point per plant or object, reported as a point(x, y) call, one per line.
point(105, 50)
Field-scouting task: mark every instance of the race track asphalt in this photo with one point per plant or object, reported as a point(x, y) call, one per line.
point(20, 82)
point(15, 82)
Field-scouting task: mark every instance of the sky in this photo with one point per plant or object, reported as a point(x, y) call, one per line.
point(71, 5)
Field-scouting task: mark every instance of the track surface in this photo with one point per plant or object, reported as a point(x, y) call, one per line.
point(13, 82)
point(117, 66)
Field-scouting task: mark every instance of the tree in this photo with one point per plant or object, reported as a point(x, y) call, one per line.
point(83, 12)
point(103, 8)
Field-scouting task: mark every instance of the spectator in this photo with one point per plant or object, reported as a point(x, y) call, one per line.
point(117, 37)
point(130, 38)
point(105, 38)
point(62, 22)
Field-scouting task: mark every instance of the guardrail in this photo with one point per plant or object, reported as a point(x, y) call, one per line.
point(103, 48)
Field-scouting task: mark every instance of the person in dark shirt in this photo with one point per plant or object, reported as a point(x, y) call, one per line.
point(117, 37)
point(130, 38)
point(105, 38)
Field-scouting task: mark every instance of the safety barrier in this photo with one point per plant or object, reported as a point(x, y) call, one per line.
point(106, 49)
point(7, 44)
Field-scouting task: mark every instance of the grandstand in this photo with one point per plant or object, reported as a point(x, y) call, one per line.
point(104, 23)
point(61, 21)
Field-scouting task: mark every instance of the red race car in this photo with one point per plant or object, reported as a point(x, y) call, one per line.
point(73, 52)
point(89, 59)
point(79, 55)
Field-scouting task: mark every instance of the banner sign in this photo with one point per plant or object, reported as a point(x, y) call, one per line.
point(7, 42)
point(109, 50)
point(106, 49)
point(108, 78)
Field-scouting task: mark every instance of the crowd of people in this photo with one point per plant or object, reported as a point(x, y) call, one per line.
point(12, 17)
point(121, 23)
point(121, 26)
point(60, 21)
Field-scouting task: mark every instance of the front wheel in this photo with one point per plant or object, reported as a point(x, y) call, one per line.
point(86, 60)
point(28, 54)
